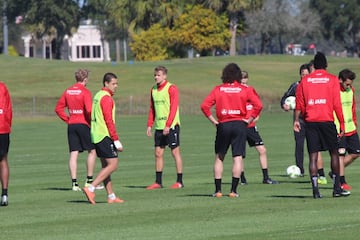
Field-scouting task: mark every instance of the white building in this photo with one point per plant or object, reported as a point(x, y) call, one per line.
point(85, 45)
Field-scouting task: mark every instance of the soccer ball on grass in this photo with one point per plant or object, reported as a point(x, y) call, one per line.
point(293, 171)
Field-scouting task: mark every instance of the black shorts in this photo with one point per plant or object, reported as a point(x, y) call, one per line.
point(106, 148)
point(321, 136)
point(79, 138)
point(231, 133)
point(4, 144)
point(253, 137)
point(172, 139)
point(350, 143)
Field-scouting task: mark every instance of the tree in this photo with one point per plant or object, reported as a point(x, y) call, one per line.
point(53, 17)
point(201, 29)
point(235, 10)
point(278, 19)
point(151, 45)
point(341, 21)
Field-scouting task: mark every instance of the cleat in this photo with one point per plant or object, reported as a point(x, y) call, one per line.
point(177, 185)
point(217, 194)
point(233, 195)
point(302, 175)
point(316, 194)
point(116, 200)
point(243, 182)
point(4, 200)
point(76, 188)
point(154, 186)
point(346, 187)
point(98, 187)
point(89, 195)
point(341, 193)
point(269, 181)
point(322, 180)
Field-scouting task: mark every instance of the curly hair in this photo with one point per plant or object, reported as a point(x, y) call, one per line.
point(231, 73)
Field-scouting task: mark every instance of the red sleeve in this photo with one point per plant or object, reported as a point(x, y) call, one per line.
point(208, 102)
point(174, 104)
point(337, 103)
point(88, 106)
point(151, 115)
point(256, 103)
point(9, 111)
point(299, 99)
point(107, 105)
point(60, 109)
point(354, 108)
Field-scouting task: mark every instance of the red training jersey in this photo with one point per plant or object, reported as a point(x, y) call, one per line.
point(78, 101)
point(174, 103)
point(249, 108)
point(5, 110)
point(231, 100)
point(318, 97)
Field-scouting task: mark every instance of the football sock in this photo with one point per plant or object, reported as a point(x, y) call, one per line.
point(158, 178)
point(321, 172)
point(74, 182)
point(265, 173)
point(234, 184)
point(4, 192)
point(89, 179)
point(314, 182)
point(242, 177)
point(112, 196)
point(342, 179)
point(218, 185)
point(179, 178)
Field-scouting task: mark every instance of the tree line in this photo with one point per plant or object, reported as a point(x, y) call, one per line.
point(163, 29)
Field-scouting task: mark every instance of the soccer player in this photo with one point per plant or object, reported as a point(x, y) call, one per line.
point(105, 138)
point(350, 142)
point(164, 115)
point(230, 99)
point(77, 100)
point(5, 129)
point(254, 140)
point(304, 70)
point(317, 97)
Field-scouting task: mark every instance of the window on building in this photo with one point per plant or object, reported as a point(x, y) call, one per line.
point(88, 52)
point(96, 52)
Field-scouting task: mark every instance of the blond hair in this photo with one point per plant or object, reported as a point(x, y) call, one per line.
point(81, 75)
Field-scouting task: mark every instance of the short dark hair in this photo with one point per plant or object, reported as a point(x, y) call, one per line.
point(320, 61)
point(244, 74)
point(346, 74)
point(108, 76)
point(305, 66)
point(231, 73)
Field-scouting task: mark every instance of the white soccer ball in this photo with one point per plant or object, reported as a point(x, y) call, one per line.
point(293, 171)
point(291, 102)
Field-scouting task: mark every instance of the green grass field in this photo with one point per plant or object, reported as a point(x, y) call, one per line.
point(41, 205)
